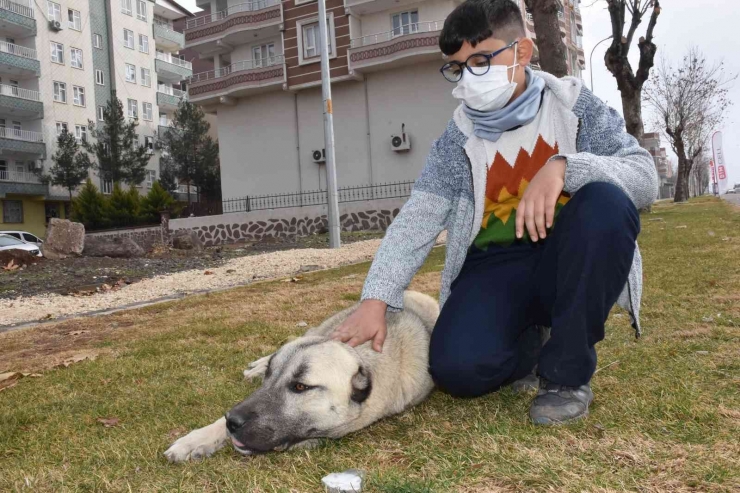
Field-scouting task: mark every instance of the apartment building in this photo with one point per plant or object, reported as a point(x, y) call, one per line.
point(652, 143)
point(389, 99)
point(60, 61)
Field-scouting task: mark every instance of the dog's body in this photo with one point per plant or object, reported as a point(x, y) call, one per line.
point(315, 388)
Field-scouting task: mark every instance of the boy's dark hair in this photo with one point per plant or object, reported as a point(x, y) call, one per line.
point(476, 20)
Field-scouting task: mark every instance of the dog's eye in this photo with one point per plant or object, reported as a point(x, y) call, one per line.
point(299, 387)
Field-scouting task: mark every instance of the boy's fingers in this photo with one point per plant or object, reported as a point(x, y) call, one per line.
point(550, 211)
point(378, 341)
point(529, 219)
point(520, 217)
point(539, 217)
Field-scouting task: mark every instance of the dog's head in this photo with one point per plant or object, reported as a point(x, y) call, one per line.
point(313, 388)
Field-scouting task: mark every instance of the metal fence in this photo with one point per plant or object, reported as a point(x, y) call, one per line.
point(304, 199)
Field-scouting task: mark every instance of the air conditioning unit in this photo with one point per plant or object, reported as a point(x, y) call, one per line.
point(319, 156)
point(55, 25)
point(401, 142)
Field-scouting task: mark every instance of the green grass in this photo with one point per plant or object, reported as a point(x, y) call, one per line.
point(666, 415)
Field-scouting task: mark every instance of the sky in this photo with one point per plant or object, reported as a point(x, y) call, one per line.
point(709, 24)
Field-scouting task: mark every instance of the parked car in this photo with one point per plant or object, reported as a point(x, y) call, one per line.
point(8, 242)
point(24, 236)
point(732, 190)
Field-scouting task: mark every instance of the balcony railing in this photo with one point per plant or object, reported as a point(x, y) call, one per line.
point(166, 57)
point(19, 92)
point(19, 176)
point(171, 91)
point(18, 50)
point(17, 8)
point(166, 25)
point(237, 67)
point(24, 135)
point(242, 7)
point(419, 27)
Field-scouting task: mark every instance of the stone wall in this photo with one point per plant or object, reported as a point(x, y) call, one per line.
point(294, 221)
point(145, 237)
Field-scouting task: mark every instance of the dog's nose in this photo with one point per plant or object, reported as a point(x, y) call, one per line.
point(234, 421)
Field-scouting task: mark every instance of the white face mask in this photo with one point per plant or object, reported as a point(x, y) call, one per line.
point(488, 92)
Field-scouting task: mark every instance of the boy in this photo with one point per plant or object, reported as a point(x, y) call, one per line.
point(538, 187)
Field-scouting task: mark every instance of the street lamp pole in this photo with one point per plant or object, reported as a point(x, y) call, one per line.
point(590, 61)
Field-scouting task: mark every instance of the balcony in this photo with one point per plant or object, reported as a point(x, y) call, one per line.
point(236, 25)
point(239, 79)
point(18, 60)
point(17, 19)
point(419, 42)
point(22, 141)
point(19, 102)
point(21, 182)
point(169, 97)
point(166, 37)
point(172, 69)
point(162, 130)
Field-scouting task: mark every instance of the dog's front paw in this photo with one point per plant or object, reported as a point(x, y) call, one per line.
point(190, 447)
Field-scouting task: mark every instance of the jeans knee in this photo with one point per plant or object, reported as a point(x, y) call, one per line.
point(467, 378)
point(604, 208)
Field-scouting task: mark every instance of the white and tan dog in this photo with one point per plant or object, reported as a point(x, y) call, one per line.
point(314, 387)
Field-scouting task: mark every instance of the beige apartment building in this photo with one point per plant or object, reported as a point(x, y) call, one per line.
point(60, 60)
point(389, 99)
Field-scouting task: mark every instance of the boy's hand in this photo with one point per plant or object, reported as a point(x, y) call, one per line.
point(367, 322)
point(537, 206)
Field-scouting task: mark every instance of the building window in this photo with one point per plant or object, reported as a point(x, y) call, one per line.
point(151, 175)
point(81, 132)
point(101, 113)
point(146, 77)
point(143, 43)
point(264, 55)
point(61, 126)
point(130, 73)
point(149, 144)
point(54, 10)
point(146, 110)
point(78, 94)
point(126, 7)
point(106, 187)
point(60, 92)
point(405, 22)
point(12, 211)
point(141, 10)
point(573, 28)
point(128, 39)
point(57, 52)
point(75, 20)
point(310, 40)
point(75, 57)
point(133, 108)
point(98, 41)
point(99, 80)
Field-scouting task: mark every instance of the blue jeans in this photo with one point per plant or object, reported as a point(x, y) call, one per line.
point(486, 338)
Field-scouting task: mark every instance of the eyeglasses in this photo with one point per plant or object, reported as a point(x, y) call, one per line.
point(477, 64)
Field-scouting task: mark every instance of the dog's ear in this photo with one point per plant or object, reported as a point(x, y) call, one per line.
point(362, 385)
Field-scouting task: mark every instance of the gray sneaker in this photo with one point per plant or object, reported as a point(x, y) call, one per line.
point(556, 404)
point(526, 384)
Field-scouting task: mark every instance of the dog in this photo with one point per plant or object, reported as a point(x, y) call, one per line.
point(316, 388)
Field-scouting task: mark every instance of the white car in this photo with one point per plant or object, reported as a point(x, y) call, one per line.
point(8, 242)
point(24, 236)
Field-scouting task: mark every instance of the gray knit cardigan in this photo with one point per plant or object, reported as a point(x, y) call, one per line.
point(449, 194)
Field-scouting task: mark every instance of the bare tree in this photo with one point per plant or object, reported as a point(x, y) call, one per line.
point(689, 103)
point(552, 51)
point(629, 83)
point(699, 178)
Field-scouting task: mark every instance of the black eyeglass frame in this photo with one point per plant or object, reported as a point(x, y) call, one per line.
point(465, 63)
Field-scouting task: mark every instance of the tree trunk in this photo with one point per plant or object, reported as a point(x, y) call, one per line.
point(632, 109)
point(552, 52)
point(190, 202)
point(682, 184)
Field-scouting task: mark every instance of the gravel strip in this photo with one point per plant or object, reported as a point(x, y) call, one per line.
point(234, 272)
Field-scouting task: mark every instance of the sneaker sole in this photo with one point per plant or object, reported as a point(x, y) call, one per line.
point(551, 422)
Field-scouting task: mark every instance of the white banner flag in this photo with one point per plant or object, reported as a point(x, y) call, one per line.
point(719, 163)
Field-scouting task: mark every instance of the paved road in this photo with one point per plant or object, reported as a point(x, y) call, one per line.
point(733, 197)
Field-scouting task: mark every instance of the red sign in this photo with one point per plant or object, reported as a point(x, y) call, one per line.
point(721, 172)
